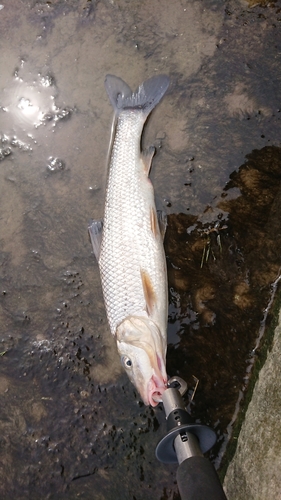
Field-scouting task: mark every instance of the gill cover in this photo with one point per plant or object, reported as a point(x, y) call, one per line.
point(143, 352)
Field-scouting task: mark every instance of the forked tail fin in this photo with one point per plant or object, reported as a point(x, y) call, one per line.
point(145, 98)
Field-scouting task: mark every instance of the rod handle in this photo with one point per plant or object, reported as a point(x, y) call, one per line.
point(198, 480)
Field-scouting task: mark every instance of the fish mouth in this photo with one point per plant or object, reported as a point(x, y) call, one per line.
point(158, 382)
point(145, 335)
point(156, 387)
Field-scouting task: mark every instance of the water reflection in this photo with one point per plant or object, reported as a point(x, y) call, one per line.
point(218, 302)
point(28, 101)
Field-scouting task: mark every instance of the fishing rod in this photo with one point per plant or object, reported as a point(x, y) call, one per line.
point(185, 443)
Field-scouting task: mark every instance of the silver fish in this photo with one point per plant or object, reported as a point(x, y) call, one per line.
point(128, 244)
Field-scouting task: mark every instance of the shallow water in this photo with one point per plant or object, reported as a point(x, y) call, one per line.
point(71, 423)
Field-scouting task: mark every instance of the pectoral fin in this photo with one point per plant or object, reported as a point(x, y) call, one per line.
point(148, 290)
point(95, 232)
point(153, 222)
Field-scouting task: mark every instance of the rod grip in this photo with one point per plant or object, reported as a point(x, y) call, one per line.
point(198, 480)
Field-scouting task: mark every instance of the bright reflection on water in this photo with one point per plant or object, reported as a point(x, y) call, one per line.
point(29, 105)
point(30, 113)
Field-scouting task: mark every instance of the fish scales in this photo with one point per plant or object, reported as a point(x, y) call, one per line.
point(128, 244)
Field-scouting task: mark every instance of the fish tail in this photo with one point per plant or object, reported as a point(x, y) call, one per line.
point(144, 99)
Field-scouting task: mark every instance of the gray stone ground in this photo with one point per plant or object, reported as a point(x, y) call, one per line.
point(255, 471)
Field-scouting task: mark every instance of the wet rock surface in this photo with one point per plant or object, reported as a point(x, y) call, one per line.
point(71, 423)
point(254, 471)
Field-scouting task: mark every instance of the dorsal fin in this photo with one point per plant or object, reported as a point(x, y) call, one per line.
point(95, 232)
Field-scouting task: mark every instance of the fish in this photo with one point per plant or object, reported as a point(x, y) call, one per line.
point(128, 242)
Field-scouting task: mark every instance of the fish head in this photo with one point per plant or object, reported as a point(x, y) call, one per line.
point(143, 352)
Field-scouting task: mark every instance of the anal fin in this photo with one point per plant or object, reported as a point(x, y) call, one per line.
point(95, 232)
point(147, 158)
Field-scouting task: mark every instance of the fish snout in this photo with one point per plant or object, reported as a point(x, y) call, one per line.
point(155, 389)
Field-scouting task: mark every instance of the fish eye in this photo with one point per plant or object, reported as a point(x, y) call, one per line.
point(127, 363)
